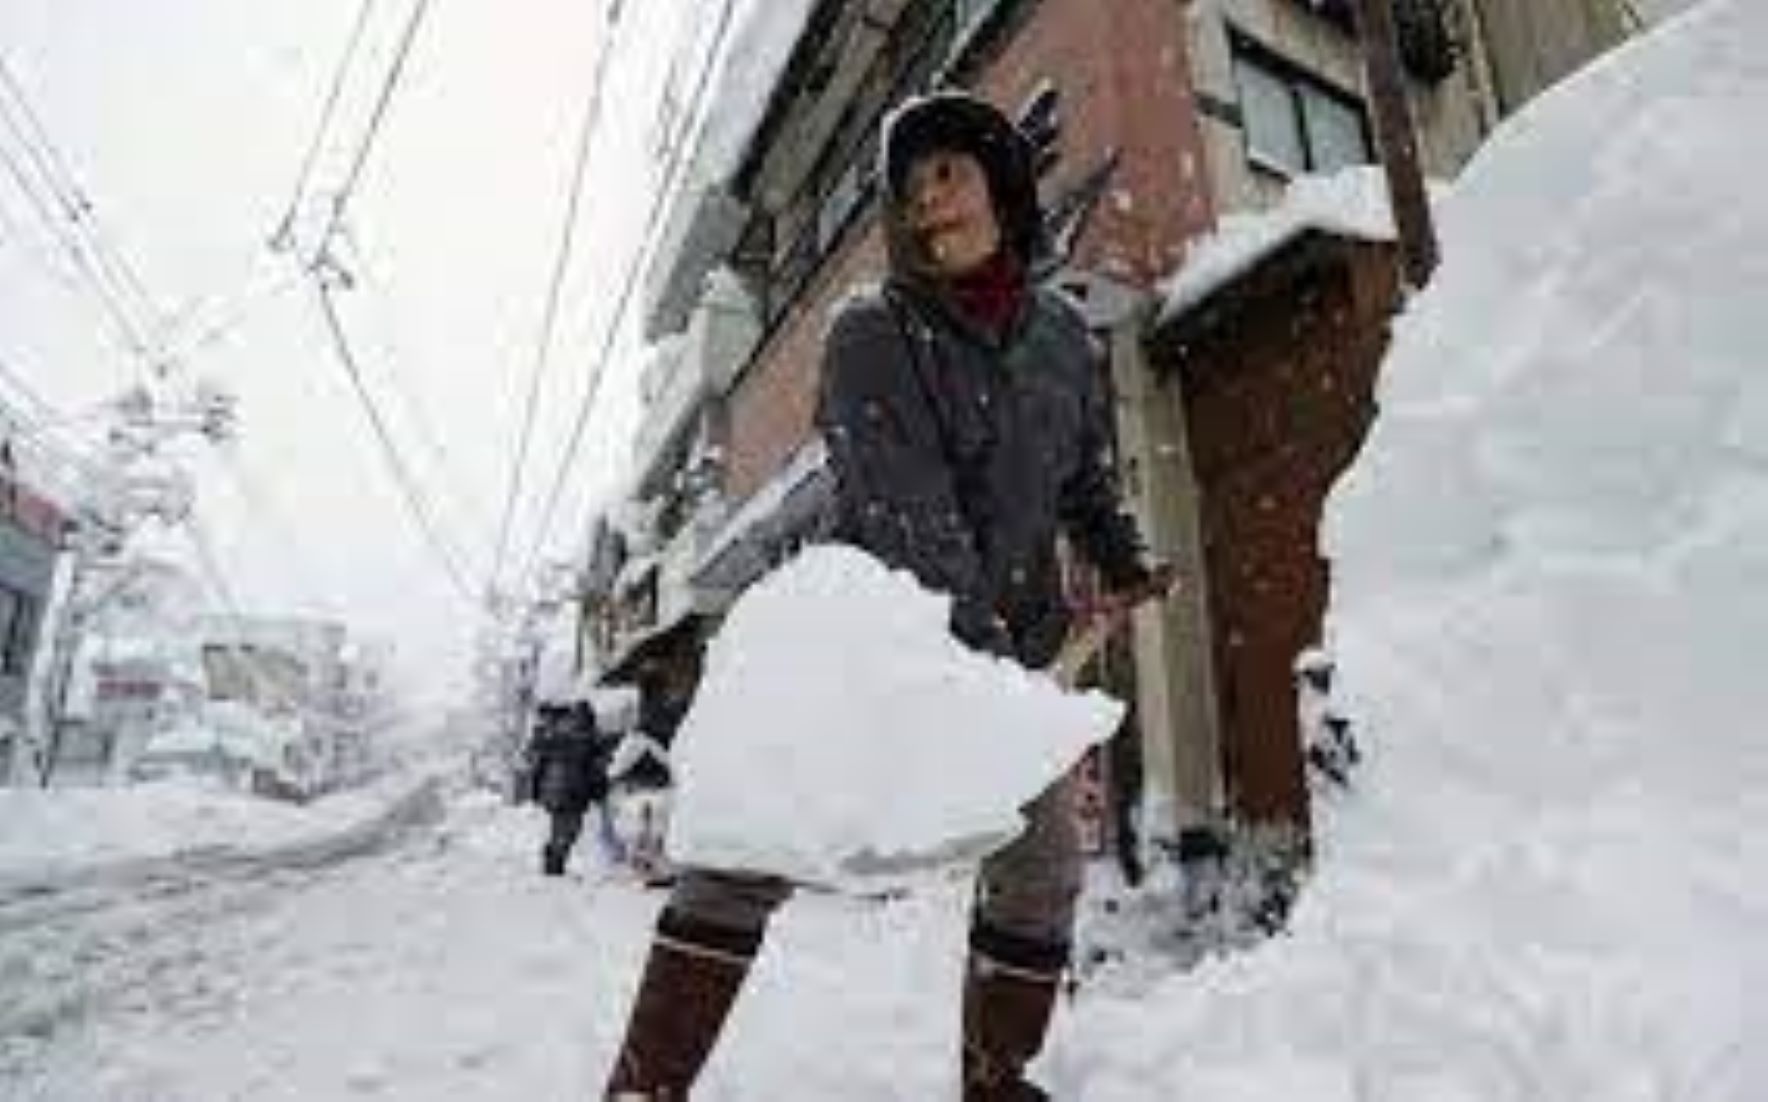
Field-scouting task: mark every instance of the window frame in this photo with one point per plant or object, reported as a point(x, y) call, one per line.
point(1299, 82)
point(927, 46)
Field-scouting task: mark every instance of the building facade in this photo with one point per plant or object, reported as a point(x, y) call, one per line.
point(32, 529)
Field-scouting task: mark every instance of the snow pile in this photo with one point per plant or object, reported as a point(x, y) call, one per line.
point(1351, 202)
point(228, 730)
point(52, 834)
point(840, 731)
point(1550, 606)
point(59, 828)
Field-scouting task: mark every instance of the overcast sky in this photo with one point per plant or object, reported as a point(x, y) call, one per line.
point(185, 122)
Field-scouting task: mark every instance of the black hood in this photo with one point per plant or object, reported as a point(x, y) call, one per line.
point(961, 122)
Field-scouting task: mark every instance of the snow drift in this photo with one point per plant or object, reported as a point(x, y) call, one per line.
point(841, 732)
point(1550, 604)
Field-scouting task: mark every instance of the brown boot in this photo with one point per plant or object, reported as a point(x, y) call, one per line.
point(691, 979)
point(1006, 1011)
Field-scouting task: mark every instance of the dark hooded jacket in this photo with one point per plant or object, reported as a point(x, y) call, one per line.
point(570, 756)
point(962, 453)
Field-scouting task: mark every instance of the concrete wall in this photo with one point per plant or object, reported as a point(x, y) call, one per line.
point(1533, 44)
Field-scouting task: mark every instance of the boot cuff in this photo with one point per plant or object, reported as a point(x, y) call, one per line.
point(692, 936)
point(1012, 952)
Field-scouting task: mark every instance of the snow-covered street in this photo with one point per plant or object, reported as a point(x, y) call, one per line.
point(1535, 874)
point(443, 967)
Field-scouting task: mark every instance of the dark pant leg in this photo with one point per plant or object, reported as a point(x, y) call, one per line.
point(1027, 890)
point(565, 830)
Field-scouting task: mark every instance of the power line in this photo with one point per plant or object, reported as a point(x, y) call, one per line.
point(377, 117)
point(659, 203)
point(96, 284)
point(232, 316)
point(39, 425)
point(34, 137)
point(16, 380)
point(410, 491)
point(555, 286)
point(340, 75)
point(464, 504)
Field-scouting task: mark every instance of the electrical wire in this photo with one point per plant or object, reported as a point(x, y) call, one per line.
point(411, 492)
point(377, 118)
point(283, 237)
point(231, 317)
point(653, 220)
point(113, 267)
point(561, 264)
point(126, 328)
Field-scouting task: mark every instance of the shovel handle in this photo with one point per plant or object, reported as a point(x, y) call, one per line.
point(1093, 628)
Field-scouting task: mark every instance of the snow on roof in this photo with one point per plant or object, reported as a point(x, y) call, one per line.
point(1351, 203)
point(635, 568)
point(766, 32)
point(806, 463)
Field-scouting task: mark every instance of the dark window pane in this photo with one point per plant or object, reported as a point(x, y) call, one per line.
point(1335, 133)
point(1273, 130)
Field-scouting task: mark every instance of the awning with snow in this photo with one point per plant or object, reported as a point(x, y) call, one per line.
point(658, 642)
point(773, 520)
point(1351, 204)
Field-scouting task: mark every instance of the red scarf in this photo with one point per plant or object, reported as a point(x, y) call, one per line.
point(992, 294)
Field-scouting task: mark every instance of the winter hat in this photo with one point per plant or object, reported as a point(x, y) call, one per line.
point(960, 122)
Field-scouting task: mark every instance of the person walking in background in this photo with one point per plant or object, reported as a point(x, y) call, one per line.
point(570, 774)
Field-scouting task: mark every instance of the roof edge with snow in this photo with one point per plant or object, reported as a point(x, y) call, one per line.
point(1350, 204)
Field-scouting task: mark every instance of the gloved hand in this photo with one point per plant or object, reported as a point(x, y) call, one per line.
point(1155, 581)
point(981, 628)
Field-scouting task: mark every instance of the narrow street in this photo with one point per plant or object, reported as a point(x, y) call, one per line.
point(442, 966)
point(1287, 478)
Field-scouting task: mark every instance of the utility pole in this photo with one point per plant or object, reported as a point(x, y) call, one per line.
point(135, 485)
point(1397, 141)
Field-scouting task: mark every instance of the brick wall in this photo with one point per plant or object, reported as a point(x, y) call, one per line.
point(771, 408)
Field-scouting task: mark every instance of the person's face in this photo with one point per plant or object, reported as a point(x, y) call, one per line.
point(950, 211)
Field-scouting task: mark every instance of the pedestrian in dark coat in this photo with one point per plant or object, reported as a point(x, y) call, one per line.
point(967, 422)
point(570, 774)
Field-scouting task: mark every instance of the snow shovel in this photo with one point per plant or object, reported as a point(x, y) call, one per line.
point(1088, 635)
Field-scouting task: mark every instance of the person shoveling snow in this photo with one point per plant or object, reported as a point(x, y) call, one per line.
point(967, 426)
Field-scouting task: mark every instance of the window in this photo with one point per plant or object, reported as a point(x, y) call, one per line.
point(1273, 126)
point(1295, 123)
point(787, 246)
point(1336, 136)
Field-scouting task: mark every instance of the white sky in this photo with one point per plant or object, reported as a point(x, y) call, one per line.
point(185, 121)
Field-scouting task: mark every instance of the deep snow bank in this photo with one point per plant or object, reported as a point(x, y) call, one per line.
point(1550, 610)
